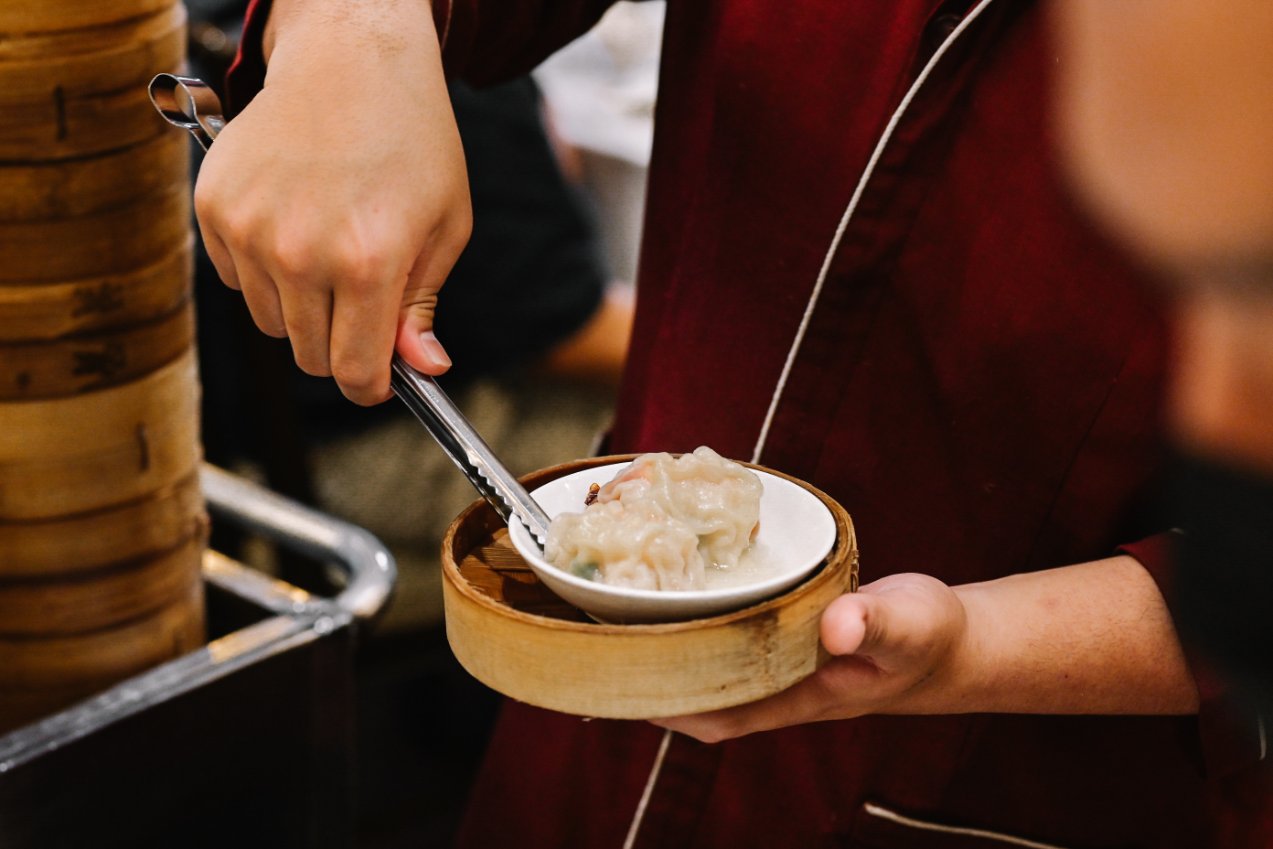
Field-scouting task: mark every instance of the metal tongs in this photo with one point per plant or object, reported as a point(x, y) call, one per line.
point(190, 104)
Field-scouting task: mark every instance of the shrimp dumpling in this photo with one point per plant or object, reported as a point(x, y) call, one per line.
point(661, 523)
point(636, 546)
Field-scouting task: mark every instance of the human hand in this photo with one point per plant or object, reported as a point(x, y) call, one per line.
point(337, 201)
point(899, 645)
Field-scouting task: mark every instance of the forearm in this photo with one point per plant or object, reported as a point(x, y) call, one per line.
point(483, 41)
point(1089, 638)
point(1094, 638)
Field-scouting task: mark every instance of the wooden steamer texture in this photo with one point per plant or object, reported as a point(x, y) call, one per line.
point(515, 636)
point(102, 524)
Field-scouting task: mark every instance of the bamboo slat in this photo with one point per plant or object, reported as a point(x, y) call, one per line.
point(42, 191)
point(86, 452)
point(113, 241)
point(97, 303)
point(32, 16)
point(103, 598)
point(83, 62)
point(45, 674)
point(82, 542)
point(82, 363)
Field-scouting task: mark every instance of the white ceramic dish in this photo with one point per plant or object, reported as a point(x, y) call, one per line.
point(796, 533)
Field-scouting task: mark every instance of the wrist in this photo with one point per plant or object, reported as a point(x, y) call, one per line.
point(959, 678)
point(385, 27)
point(975, 659)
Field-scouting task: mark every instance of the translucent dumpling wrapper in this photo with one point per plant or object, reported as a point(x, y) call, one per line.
point(661, 523)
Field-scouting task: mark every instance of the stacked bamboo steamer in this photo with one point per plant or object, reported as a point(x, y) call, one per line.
point(102, 525)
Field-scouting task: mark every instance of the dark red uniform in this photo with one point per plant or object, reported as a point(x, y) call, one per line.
point(978, 383)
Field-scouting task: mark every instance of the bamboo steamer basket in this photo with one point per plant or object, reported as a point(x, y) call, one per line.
point(40, 191)
point(85, 452)
point(30, 16)
point(102, 525)
point(518, 638)
point(90, 60)
point(81, 89)
point(83, 542)
point(110, 595)
point(47, 311)
point(59, 127)
point(49, 369)
point(41, 675)
point(153, 459)
point(113, 241)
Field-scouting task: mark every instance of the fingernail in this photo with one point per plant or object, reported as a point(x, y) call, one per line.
point(433, 349)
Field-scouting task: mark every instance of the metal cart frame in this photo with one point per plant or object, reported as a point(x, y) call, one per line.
point(247, 741)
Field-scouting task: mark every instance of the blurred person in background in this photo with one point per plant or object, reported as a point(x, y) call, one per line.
point(1166, 109)
point(879, 289)
point(600, 90)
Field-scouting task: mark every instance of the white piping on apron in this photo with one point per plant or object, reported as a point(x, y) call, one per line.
point(924, 825)
point(634, 827)
point(885, 137)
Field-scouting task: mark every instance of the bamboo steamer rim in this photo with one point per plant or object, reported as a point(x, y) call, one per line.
point(72, 188)
point(107, 596)
point(61, 545)
point(85, 362)
point(107, 58)
point(69, 455)
point(53, 487)
point(98, 422)
point(24, 17)
point(125, 238)
point(45, 675)
point(637, 671)
point(99, 303)
point(68, 127)
point(99, 658)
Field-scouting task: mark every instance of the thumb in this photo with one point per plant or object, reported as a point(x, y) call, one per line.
point(866, 624)
point(416, 341)
point(854, 623)
point(897, 617)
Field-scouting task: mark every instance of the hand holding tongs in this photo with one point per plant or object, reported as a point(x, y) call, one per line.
point(190, 104)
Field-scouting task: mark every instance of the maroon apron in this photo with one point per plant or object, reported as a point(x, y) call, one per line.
point(978, 382)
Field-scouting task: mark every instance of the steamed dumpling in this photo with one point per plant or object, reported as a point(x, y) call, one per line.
point(661, 522)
